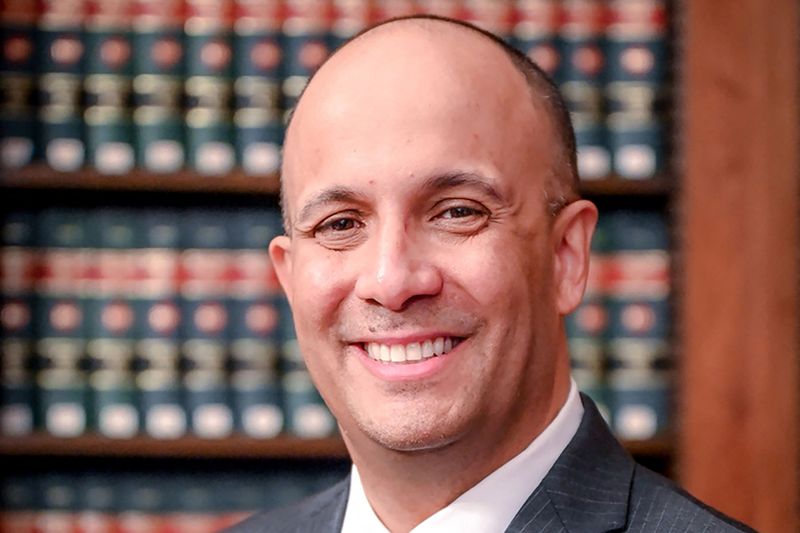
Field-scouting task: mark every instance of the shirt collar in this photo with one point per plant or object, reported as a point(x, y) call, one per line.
point(491, 504)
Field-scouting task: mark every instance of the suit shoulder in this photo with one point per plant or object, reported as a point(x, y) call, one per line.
point(657, 504)
point(310, 514)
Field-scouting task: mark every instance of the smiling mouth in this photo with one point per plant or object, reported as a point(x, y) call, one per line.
point(412, 352)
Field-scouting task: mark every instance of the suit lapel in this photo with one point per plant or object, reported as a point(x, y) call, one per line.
point(588, 487)
point(329, 516)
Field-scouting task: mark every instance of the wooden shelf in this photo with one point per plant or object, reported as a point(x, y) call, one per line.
point(237, 447)
point(44, 177)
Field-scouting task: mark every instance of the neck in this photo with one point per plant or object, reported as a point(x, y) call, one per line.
point(404, 488)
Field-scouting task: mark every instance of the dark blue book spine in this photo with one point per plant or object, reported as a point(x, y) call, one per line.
point(535, 33)
point(257, 71)
point(254, 325)
point(638, 287)
point(306, 44)
point(205, 269)
point(637, 57)
point(581, 77)
point(107, 87)
point(159, 317)
point(18, 71)
point(59, 320)
point(61, 62)
point(111, 324)
point(209, 87)
point(18, 274)
point(158, 71)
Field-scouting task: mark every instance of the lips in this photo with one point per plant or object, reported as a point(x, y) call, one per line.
point(411, 352)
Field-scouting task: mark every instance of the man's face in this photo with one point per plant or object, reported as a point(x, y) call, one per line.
point(420, 265)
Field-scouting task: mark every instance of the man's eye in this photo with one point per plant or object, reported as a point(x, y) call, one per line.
point(460, 212)
point(339, 224)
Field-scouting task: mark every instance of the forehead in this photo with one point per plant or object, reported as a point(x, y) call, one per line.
point(415, 101)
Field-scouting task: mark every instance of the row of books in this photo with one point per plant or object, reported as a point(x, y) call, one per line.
point(619, 336)
point(150, 322)
point(163, 323)
point(149, 503)
point(164, 85)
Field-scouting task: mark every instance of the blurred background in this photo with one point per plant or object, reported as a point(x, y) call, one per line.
point(150, 379)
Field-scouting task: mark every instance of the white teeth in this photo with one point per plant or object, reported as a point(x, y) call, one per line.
point(427, 349)
point(438, 346)
point(398, 353)
point(385, 353)
point(415, 351)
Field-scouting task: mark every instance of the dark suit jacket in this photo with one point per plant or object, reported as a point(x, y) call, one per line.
point(595, 486)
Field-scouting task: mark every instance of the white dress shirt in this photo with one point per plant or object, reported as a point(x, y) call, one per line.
point(489, 506)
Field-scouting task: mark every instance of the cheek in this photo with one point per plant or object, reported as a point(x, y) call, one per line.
point(320, 283)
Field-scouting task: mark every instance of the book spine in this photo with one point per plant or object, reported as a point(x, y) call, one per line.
point(443, 8)
point(637, 56)
point(535, 33)
point(306, 44)
point(158, 70)
point(17, 277)
point(61, 62)
point(306, 414)
point(638, 305)
point(157, 349)
point(258, 69)
point(209, 87)
point(254, 320)
point(59, 320)
point(111, 325)
point(58, 504)
point(349, 18)
point(107, 86)
point(205, 267)
point(496, 16)
point(581, 79)
point(19, 498)
point(18, 43)
point(389, 9)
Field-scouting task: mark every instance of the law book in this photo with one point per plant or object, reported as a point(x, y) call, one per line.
point(157, 350)
point(18, 71)
point(111, 324)
point(258, 71)
point(389, 9)
point(443, 8)
point(254, 344)
point(18, 498)
point(638, 288)
point(306, 414)
point(349, 18)
point(535, 33)
point(60, 89)
point(581, 76)
point(98, 503)
point(158, 76)
point(59, 321)
point(107, 86)
point(205, 268)
point(496, 16)
point(18, 265)
point(209, 87)
point(587, 327)
point(306, 45)
point(636, 89)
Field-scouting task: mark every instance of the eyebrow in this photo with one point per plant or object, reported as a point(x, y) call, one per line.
point(450, 180)
point(336, 194)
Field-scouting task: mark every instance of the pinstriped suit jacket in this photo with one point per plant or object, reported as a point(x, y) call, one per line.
point(595, 486)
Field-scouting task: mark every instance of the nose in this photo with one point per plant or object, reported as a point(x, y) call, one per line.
point(396, 271)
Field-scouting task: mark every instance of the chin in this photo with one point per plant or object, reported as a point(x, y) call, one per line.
point(422, 434)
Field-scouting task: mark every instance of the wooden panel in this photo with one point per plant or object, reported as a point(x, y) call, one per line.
point(739, 222)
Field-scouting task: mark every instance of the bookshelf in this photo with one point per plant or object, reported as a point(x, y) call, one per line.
point(735, 205)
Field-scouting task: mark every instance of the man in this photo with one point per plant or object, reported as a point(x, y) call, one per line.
point(435, 240)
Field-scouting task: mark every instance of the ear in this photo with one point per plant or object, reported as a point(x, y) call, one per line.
point(280, 253)
point(572, 236)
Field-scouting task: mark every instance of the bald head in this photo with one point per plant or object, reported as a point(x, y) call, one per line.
point(442, 71)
